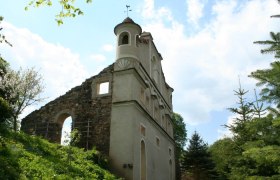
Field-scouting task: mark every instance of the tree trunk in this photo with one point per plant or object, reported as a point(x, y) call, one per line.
point(15, 123)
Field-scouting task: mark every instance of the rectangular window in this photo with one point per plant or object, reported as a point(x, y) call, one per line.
point(103, 88)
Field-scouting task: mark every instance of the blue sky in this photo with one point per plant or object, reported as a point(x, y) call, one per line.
point(205, 44)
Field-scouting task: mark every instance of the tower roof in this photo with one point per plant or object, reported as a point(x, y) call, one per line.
point(127, 20)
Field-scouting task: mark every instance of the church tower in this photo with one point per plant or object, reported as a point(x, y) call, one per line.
point(141, 133)
point(127, 34)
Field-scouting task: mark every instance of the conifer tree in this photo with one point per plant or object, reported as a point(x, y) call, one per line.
point(197, 161)
point(270, 79)
point(244, 113)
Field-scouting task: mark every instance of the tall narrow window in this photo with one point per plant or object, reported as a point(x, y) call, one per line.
point(170, 169)
point(143, 161)
point(123, 38)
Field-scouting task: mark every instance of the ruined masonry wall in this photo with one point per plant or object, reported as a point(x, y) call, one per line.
point(90, 114)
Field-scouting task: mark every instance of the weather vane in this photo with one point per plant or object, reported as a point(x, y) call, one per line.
point(127, 9)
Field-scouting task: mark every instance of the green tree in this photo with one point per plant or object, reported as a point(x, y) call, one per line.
point(224, 153)
point(254, 150)
point(244, 112)
point(197, 161)
point(68, 8)
point(180, 132)
point(269, 79)
point(5, 115)
point(274, 45)
point(5, 108)
point(259, 155)
point(255, 153)
point(22, 89)
point(180, 137)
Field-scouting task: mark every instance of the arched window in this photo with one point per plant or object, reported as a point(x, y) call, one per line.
point(123, 38)
point(143, 161)
point(170, 170)
point(66, 130)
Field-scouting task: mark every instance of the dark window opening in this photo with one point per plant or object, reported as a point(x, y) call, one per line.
point(123, 38)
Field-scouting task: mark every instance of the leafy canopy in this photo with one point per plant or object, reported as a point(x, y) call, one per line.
point(68, 8)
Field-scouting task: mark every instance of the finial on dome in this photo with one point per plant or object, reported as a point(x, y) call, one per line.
point(127, 9)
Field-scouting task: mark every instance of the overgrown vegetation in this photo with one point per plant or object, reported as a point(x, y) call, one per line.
point(30, 157)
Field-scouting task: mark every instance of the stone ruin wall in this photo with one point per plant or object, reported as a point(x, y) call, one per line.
point(90, 114)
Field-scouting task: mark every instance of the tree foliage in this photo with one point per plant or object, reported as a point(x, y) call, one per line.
point(243, 112)
point(269, 79)
point(180, 138)
point(197, 160)
point(68, 8)
point(21, 89)
point(253, 152)
point(180, 132)
point(18, 89)
point(5, 108)
point(2, 36)
point(274, 45)
point(224, 152)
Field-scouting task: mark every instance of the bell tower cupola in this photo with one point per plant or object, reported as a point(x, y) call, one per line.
point(127, 34)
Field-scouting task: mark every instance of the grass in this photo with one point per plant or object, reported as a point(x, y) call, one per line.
point(30, 157)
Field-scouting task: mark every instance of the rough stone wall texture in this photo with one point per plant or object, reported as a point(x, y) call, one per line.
point(90, 114)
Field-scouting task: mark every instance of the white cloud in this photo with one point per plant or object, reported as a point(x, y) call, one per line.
point(60, 67)
point(148, 9)
point(194, 11)
point(98, 57)
point(108, 47)
point(225, 132)
point(203, 68)
point(160, 14)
